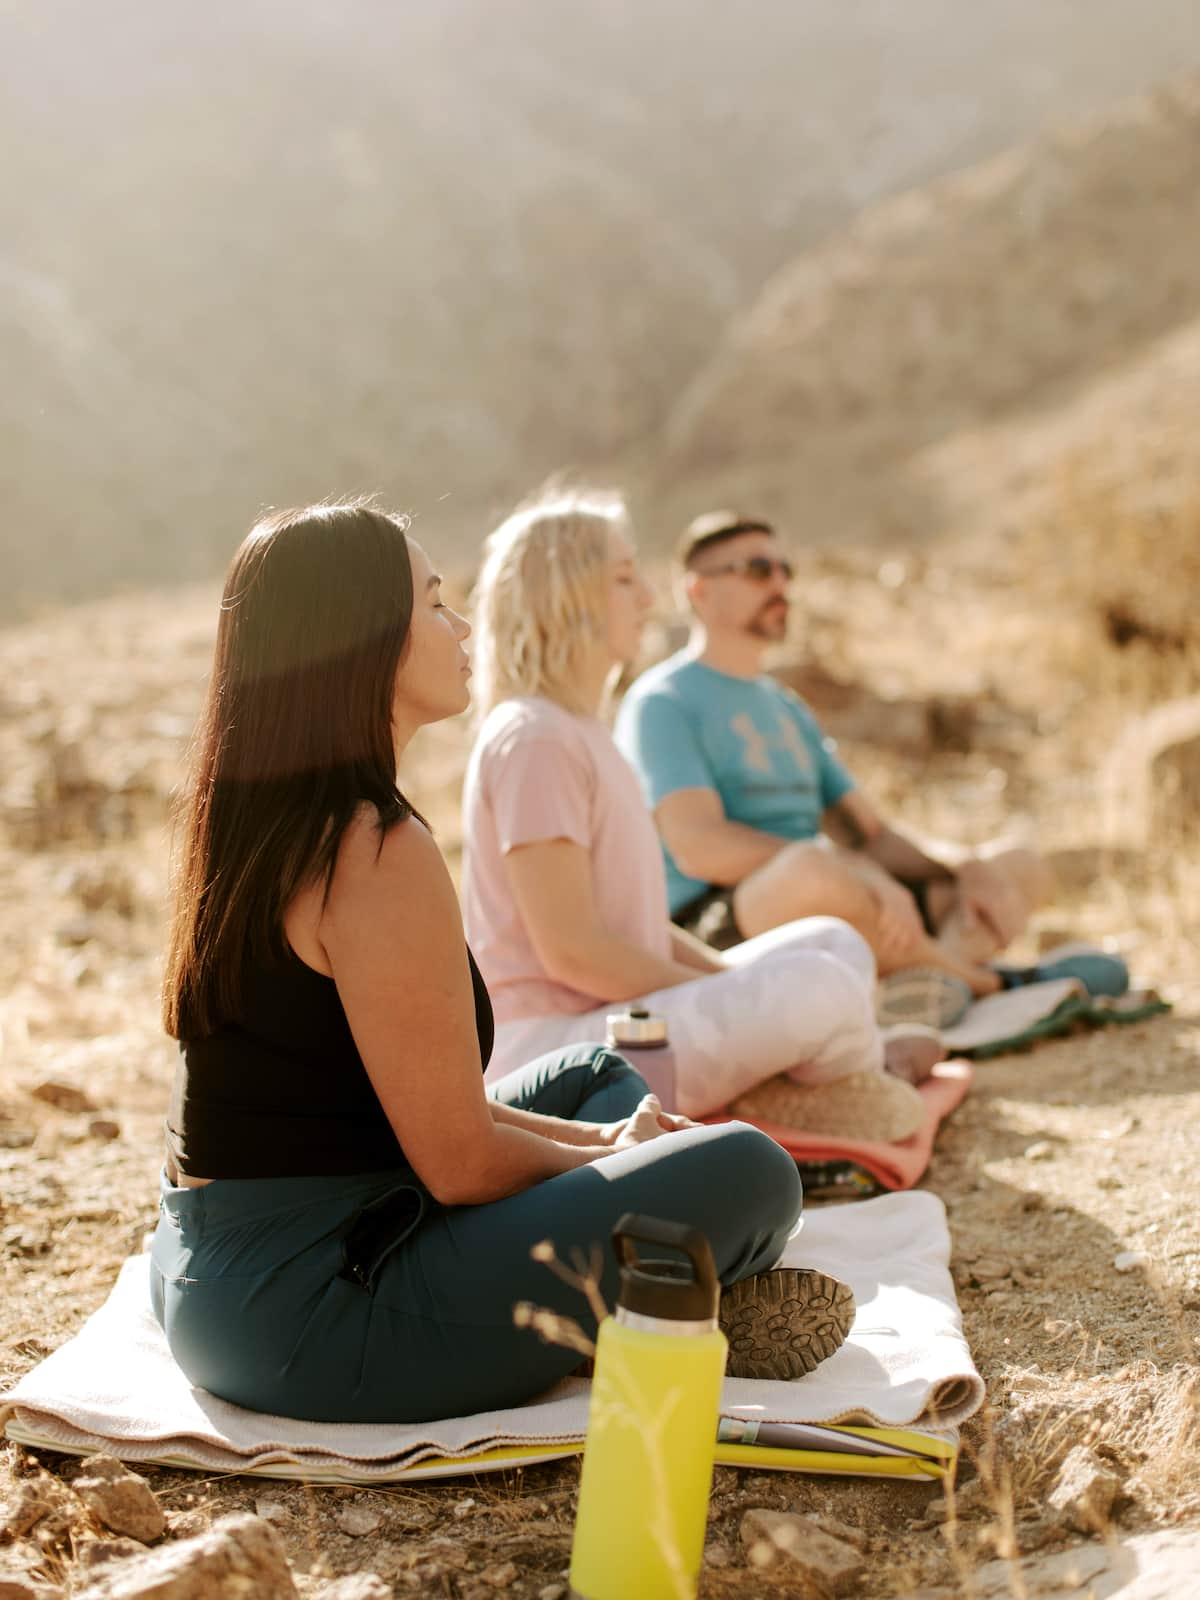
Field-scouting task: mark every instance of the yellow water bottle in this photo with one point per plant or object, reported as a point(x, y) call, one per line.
point(652, 1427)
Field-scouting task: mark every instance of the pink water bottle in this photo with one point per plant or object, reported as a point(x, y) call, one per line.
point(641, 1037)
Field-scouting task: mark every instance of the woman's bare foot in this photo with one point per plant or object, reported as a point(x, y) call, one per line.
point(911, 1051)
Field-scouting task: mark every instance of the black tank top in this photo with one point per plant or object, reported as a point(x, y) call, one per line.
point(283, 1091)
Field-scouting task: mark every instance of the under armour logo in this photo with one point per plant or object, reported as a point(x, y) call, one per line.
point(793, 742)
point(757, 757)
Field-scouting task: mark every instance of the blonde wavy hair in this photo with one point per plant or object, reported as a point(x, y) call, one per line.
point(540, 601)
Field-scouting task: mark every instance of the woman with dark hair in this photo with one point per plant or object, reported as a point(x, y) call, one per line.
point(348, 1217)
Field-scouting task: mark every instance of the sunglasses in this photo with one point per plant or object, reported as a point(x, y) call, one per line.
point(759, 569)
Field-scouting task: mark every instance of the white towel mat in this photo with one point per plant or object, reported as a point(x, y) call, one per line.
point(1009, 1013)
point(115, 1388)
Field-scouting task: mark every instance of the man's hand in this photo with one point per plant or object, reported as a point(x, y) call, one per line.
point(987, 896)
point(901, 931)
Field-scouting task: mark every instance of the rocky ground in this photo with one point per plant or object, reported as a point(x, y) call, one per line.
point(963, 698)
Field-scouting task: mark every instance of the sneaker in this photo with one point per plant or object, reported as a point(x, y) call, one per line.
point(782, 1324)
point(1099, 972)
point(922, 994)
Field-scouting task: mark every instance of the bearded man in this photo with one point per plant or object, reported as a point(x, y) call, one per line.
point(760, 822)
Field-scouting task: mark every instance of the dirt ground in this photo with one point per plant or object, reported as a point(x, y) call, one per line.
point(978, 705)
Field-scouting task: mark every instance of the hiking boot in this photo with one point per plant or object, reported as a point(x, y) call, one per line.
point(782, 1324)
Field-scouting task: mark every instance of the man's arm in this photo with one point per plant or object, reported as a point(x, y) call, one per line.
point(983, 893)
point(854, 824)
point(662, 742)
point(705, 844)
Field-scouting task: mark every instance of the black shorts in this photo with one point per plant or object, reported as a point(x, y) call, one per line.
point(710, 917)
point(919, 889)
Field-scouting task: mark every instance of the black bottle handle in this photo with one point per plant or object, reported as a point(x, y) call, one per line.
point(677, 1235)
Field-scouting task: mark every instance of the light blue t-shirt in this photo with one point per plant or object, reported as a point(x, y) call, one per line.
point(684, 725)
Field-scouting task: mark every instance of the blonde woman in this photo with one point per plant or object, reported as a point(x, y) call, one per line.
point(564, 891)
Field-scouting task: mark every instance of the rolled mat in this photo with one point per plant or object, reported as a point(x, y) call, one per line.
point(904, 1380)
point(1015, 1019)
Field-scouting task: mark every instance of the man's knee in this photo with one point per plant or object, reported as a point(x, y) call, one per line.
point(840, 894)
point(810, 860)
point(826, 882)
point(1031, 873)
point(1025, 871)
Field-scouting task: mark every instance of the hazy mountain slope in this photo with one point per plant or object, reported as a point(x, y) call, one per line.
point(1004, 289)
point(259, 252)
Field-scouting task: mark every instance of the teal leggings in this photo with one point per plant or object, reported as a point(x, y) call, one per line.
point(361, 1299)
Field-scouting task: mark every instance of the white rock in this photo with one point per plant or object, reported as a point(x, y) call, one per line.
point(239, 1558)
point(358, 1521)
point(120, 1499)
point(358, 1586)
point(19, 1586)
point(800, 1547)
point(25, 1510)
point(500, 1575)
point(1085, 1491)
point(1160, 1565)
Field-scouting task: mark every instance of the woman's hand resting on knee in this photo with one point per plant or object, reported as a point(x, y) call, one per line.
point(647, 1122)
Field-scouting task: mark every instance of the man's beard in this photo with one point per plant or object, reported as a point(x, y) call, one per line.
point(770, 621)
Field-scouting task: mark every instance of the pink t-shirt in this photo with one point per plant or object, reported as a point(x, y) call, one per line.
point(536, 773)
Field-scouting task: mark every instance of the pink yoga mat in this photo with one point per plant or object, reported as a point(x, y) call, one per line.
point(895, 1166)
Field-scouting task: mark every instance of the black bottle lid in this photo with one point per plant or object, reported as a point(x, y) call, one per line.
point(670, 1290)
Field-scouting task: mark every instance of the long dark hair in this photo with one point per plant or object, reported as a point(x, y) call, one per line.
point(295, 735)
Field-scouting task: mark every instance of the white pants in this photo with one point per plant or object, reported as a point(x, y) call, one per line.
point(799, 999)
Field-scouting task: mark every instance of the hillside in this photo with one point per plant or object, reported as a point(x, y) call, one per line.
point(956, 354)
point(257, 253)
